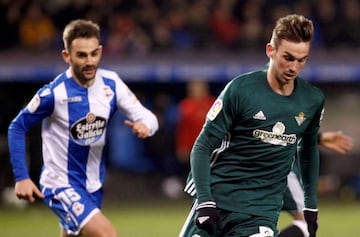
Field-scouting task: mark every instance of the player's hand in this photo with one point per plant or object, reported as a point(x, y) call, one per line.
point(207, 217)
point(138, 128)
point(26, 189)
point(336, 141)
point(311, 221)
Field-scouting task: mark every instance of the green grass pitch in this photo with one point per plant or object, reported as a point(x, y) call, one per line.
point(164, 218)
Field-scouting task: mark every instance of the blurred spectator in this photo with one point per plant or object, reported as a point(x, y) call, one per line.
point(146, 13)
point(192, 111)
point(100, 17)
point(74, 9)
point(198, 15)
point(10, 12)
point(36, 29)
point(224, 26)
point(126, 37)
point(181, 36)
point(328, 21)
point(161, 35)
point(252, 27)
point(351, 16)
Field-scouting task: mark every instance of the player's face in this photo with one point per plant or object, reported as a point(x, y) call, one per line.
point(288, 60)
point(83, 57)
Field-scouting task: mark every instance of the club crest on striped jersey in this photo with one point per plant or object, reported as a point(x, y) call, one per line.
point(88, 130)
point(108, 92)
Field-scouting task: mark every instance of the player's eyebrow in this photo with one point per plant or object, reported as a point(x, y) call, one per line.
point(292, 57)
point(87, 53)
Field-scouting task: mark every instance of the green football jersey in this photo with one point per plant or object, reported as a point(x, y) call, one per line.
point(247, 146)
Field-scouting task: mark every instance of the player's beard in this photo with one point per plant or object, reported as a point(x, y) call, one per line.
point(84, 74)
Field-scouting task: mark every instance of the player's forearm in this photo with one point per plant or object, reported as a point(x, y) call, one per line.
point(309, 160)
point(16, 141)
point(200, 168)
point(150, 120)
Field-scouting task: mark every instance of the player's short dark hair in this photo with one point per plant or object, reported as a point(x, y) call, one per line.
point(294, 28)
point(80, 29)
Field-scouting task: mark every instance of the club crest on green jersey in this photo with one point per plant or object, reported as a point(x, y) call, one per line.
point(300, 118)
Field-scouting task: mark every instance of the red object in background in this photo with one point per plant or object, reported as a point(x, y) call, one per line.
point(192, 113)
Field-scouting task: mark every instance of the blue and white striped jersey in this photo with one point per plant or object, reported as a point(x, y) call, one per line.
point(74, 122)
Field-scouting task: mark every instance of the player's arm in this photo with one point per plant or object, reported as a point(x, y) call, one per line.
point(218, 123)
point(310, 164)
point(39, 107)
point(141, 120)
point(200, 165)
point(336, 141)
point(207, 215)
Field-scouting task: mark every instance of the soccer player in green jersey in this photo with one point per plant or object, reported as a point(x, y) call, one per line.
point(335, 141)
point(242, 157)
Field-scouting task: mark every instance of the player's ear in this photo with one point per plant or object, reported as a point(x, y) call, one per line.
point(270, 50)
point(66, 55)
point(100, 49)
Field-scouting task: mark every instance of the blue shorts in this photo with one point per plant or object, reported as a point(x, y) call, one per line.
point(73, 206)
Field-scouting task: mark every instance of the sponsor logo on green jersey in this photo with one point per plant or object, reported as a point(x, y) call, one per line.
point(276, 136)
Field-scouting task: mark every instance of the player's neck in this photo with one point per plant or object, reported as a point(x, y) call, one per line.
point(86, 82)
point(280, 86)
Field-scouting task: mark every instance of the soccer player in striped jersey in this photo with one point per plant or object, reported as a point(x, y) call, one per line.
point(335, 141)
point(75, 109)
point(242, 157)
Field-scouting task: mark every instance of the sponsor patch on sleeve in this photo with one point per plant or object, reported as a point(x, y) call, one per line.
point(215, 109)
point(322, 115)
point(45, 92)
point(34, 103)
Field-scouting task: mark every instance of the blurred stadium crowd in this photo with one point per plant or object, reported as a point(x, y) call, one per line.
point(140, 27)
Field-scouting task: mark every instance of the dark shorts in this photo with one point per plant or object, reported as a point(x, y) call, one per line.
point(232, 224)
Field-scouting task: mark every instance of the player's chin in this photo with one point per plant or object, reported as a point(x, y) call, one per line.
point(89, 72)
point(89, 75)
point(288, 79)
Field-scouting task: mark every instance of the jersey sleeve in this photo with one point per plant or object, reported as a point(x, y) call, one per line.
point(310, 161)
point(40, 106)
point(131, 107)
point(218, 122)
